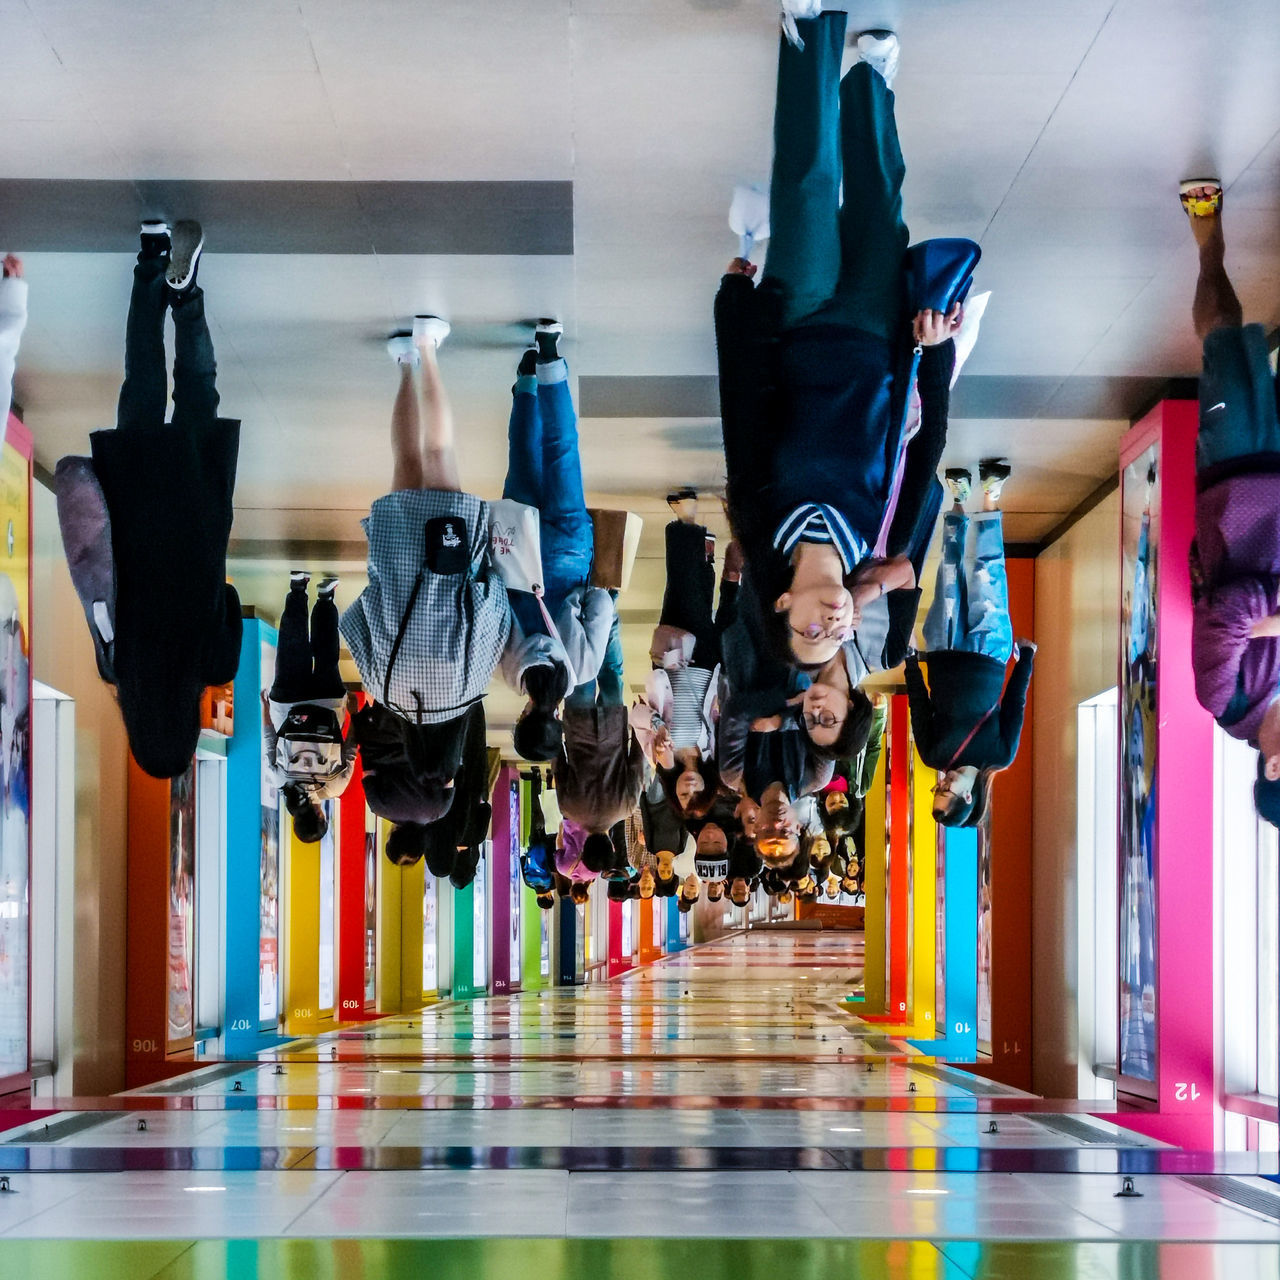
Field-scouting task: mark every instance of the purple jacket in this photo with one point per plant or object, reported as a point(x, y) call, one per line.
point(1238, 536)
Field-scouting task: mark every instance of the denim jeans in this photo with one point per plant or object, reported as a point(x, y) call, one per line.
point(837, 263)
point(145, 392)
point(607, 688)
point(970, 609)
point(544, 471)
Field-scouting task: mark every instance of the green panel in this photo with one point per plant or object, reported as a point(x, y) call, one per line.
point(531, 978)
point(632, 1259)
point(464, 916)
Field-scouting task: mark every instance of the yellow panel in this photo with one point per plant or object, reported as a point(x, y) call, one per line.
point(302, 936)
point(388, 959)
point(924, 905)
point(413, 883)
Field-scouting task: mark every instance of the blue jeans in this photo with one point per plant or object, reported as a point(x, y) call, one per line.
point(970, 609)
point(544, 471)
point(607, 688)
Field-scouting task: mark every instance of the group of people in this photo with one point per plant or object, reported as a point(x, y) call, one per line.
point(744, 761)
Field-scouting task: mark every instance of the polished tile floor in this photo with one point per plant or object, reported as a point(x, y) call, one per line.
point(725, 1095)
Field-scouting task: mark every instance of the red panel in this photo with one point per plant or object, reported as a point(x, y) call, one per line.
point(350, 890)
point(617, 962)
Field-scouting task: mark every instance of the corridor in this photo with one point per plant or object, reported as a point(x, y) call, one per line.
point(726, 1093)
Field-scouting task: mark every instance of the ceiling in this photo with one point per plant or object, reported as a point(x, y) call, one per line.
point(1053, 134)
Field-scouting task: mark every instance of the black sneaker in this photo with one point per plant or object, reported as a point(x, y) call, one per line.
point(154, 234)
point(546, 335)
point(299, 580)
point(328, 585)
point(184, 256)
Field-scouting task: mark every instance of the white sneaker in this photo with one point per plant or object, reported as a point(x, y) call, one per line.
point(184, 257)
point(793, 11)
point(402, 349)
point(430, 329)
point(880, 51)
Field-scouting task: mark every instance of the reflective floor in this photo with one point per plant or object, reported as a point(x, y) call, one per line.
point(689, 1100)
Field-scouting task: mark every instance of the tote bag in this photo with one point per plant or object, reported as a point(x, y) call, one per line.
point(516, 544)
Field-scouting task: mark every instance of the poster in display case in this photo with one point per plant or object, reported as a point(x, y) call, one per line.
point(515, 883)
point(269, 870)
point(328, 952)
point(180, 1000)
point(1138, 855)
point(480, 921)
point(371, 917)
point(15, 751)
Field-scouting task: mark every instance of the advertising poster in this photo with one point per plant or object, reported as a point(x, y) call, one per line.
point(371, 918)
point(180, 1004)
point(984, 936)
point(479, 926)
point(430, 965)
point(269, 878)
point(513, 874)
point(1139, 652)
point(15, 754)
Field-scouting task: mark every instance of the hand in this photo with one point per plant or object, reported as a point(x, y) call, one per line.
point(741, 267)
point(13, 265)
point(1265, 627)
point(932, 327)
point(1025, 645)
point(733, 561)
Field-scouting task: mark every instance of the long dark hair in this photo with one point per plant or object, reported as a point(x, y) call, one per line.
point(970, 813)
point(704, 801)
point(854, 733)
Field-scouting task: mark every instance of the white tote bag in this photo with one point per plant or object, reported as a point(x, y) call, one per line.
point(516, 544)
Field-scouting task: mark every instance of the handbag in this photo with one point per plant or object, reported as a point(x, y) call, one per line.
point(940, 273)
point(515, 541)
point(616, 536)
point(85, 524)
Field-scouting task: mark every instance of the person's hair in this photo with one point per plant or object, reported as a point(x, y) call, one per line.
point(597, 852)
point(580, 891)
point(546, 901)
point(969, 813)
point(406, 843)
point(465, 865)
point(667, 888)
point(843, 822)
point(715, 890)
point(1266, 795)
point(685, 905)
point(701, 804)
point(310, 823)
point(547, 685)
point(621, 890)
point(853, 734)
point(537, 735)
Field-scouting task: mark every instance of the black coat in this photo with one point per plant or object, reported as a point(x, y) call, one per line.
point(169, 491)
point(407, 767)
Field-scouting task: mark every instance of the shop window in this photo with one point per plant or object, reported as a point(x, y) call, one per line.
point(1247, 853)
point(1097, 891)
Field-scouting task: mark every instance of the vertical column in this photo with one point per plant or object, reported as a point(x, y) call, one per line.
point(875, 887)
point(463, 939)
point(505, 842)
point(301, 934)
point(1166, 873)
point(353, 870)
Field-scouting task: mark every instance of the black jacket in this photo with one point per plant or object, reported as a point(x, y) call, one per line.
point(169, 492)
point(963, 687)
point(600, 770)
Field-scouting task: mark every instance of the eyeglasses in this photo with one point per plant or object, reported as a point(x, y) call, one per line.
point(821, 719)
point(815, 631)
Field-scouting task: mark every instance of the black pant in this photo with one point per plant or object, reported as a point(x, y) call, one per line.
point(146, 384)
point(296, 680)
point(691, 585)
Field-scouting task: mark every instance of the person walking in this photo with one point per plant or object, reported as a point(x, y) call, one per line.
point(1235, 562)
point(816, 364)
point(146, 520)
point(559, 643)
point(967, 722)
point(13, 322)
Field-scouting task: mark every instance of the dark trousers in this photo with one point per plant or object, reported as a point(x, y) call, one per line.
point(837, 264)
point(145, 392)
point(691, 584)
point(307, 666)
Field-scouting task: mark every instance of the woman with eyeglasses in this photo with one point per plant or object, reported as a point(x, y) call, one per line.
point(815, 365)
point(967, 722)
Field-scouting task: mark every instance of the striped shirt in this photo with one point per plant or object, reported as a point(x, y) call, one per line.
point(688, 694)
point(821, 522)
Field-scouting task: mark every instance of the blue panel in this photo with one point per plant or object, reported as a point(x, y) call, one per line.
point(244, 852)
point(566, 964)
point(960, 1044)
point(674, 941)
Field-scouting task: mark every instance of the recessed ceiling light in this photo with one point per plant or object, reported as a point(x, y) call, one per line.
point(204, 1188)
point(836, 1129)
point(927, 1191)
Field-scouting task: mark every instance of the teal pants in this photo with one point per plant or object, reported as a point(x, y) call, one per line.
point(837, 264)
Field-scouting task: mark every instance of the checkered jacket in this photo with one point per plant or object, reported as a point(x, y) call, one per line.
point(426, 643)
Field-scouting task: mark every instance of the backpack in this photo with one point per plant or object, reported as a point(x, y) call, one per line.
point(86, 538)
